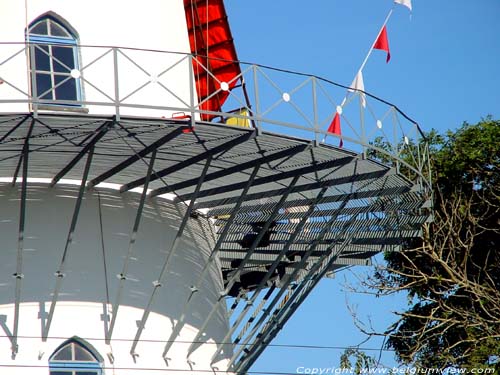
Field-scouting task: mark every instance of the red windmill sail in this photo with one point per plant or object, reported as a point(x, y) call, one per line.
point(215, 56)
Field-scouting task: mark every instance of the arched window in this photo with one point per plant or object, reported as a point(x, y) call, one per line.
point(54, 64)
point(75, 357)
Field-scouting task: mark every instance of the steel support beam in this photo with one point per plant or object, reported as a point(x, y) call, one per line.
point(57, 133)
point(237, 272)
point(69, 240)
point(133, 238)
point(101, 132)
point(158, 283)
point(369, 228)
point(288, 279)
point(291, 277)
point(14, 128)
point(178, 326)
point(329, 199)
point(377, 207)
point(330, 258)
point(408, 201)
point(137, 156)
point(277, 177)
point(270, 271)
point(265, 260)
point(20, 241)
point(247, 362)
point(234, 169)
point(367, 238)
point(195, 159)
point(259, 237)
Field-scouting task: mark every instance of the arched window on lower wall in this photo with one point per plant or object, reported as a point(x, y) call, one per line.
point(75, 357)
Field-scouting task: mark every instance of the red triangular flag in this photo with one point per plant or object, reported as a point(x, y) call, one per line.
point(383, 43)
point(334, 127)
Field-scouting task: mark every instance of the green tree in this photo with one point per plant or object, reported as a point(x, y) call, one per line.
point(452, 276)
point(356, 361)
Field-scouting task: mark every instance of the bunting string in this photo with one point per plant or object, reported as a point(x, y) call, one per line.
point(381, 42)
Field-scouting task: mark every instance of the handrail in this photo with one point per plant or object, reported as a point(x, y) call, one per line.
point(125, 81)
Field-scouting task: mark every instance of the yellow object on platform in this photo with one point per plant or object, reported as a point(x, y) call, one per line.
point(237, 121)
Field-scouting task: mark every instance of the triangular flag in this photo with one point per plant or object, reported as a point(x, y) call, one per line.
point(334, 127)
point(406, 3)
point(358, 84)
point(383, 43)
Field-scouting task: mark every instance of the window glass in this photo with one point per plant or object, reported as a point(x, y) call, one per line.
point(44, 86)
point(65, 88)
point(64, 354)
point(82, 354)
point(40, 28)
point(56, 30)
point(64, 59)
point(42, 58)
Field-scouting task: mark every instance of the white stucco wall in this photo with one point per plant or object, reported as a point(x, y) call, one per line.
point(85, 292)
point(155, 25)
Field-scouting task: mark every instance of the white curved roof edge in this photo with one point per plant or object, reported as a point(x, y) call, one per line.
point(104, 185)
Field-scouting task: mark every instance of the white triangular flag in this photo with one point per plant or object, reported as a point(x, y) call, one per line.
point(358, 84)
point(406, 3)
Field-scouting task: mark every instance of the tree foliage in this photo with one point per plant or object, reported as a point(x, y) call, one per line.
point(452, 276)
point(356, 361)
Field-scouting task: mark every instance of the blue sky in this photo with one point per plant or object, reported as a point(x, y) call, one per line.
point(444, 70)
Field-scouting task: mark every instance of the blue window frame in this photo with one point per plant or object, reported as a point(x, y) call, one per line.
point(74, 357)
point(54, 60)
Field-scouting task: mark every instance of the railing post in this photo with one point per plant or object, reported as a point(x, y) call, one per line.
point(396, 143)
point(364, 140)
point(315, 110)
point(117, 87)
point(33, 98)
point(257, 101)
point(191, 90)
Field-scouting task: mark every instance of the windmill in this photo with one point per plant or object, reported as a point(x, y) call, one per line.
point(165, 207)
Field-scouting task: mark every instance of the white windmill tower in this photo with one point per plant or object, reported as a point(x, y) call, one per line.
point(133, 210)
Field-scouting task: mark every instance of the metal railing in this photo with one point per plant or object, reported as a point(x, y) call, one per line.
point(125, 81)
